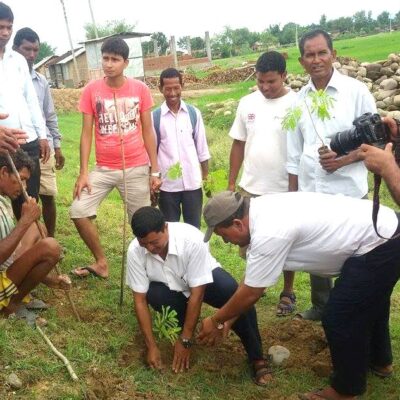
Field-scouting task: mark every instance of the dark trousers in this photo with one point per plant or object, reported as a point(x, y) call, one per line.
point(216, 295)
point(33, 183)
point(188, 202)
point(356, 317)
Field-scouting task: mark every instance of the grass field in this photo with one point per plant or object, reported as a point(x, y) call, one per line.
point(106, 349)
point(367, 48)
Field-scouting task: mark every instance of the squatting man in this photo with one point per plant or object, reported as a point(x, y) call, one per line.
point(327, 235)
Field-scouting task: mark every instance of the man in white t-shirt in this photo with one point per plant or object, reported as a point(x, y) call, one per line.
point(170, 265)
point(259, 143)
point(258, 140)
point(327, 235)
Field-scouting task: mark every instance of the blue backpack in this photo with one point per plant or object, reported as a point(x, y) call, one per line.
point(157, 117)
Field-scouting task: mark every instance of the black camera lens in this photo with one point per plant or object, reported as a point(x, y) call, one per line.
point(346, 141)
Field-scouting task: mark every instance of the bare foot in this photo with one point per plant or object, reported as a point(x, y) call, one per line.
point(83, 272)
point(57, 282)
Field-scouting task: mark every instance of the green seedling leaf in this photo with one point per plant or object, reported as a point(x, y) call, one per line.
point(166, 324)
point(321, 103)
point(215, 182)
point(175, 171)
point(291, 119)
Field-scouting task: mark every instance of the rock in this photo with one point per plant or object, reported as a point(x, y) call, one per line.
point(296, 84)
point(362, 71)
point(278, 354)
point(396, 100)
point(388, 101)
point(388, 84)
point(227, 112)
point(14, 382)
point(337, 65)
point(387, 71)
point(344, 71)
point(382, 94)
point(392, 107)
point(381, 79)
point(381, 104)
point(373, 71)
point(394, 114)
point(394, 66)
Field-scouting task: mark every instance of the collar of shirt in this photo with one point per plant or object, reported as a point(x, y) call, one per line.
point(166, 110)
point(335, 82)
point(172, 246)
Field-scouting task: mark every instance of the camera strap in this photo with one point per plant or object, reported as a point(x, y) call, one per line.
point(375, 207)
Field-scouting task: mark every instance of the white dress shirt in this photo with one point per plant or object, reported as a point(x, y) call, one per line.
point(188, 262)
point(351, 100)
point(311, 232)
point(18, 97)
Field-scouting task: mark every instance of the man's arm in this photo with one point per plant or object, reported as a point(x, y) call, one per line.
point(151, 148)
point(293, 183)
point(330, 162)
point(30, 213)
point(52, 125)
point(85, 147)
point(383, 163)
point(144, 319)
point(235, 162)
point(244, 297)
point(182, 354)
point(204, 169)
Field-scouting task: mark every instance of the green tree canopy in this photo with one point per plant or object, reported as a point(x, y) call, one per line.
point(108, 28)
point(45, 50)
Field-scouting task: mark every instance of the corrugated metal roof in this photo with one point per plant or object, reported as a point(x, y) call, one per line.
point(69, 57)
point(124, 35)
point(43, 61)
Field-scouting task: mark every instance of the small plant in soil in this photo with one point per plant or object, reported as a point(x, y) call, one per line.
point(166, 324)
point(215, 182)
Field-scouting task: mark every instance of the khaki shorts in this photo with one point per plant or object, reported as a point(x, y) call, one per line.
point(103, 181)
point(48, 182)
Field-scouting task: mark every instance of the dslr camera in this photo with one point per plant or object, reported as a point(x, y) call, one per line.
point(368, 129)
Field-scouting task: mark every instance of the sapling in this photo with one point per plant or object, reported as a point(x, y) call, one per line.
point(321, 103)
point(166, 324)
point(174, 171)
point(216, 181)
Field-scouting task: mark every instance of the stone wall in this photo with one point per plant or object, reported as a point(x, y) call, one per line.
point(381, 77)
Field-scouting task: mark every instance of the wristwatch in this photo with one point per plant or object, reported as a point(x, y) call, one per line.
point(217, 324)
point(156, 174)
point(187, 343)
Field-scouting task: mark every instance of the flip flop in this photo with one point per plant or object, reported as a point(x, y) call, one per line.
point(381, 374)
point(89, 269)
point(37, 304)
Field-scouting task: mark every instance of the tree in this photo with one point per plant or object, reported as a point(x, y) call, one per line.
point(268, 39)
point(162, 41)
point(196, 43)
point(45, 50)
point(383, 20)
point(288, 33)
point(360, 21)
point(322, 21)
point(107, 29)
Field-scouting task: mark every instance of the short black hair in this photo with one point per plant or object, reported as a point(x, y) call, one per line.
point(311, 35)
point(271, 61)
point(170, 73)
point(25, 34)
point(115, 45)
point(21, 160)
point(6, 12)
point(238, 214)
point(146, 220)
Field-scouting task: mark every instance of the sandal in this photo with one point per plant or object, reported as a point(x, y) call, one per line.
point(381, 372)
point(286, 305)
point(261, 371)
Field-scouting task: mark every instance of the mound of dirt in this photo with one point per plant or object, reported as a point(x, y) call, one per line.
point(66, 100)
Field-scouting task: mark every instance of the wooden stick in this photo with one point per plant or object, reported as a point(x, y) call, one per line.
point(125, 200)
point(40, 228)
point(58, 354)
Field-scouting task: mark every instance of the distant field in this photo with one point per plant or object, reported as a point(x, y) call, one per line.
point(367, 48)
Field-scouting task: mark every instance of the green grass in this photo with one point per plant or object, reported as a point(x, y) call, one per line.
point(106, 348)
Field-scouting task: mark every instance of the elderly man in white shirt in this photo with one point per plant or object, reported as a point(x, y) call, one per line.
point(310, 172)
point(18, 99)
point(170, 265)
point(327, 235)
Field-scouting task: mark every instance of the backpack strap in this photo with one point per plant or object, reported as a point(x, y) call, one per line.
point(193, 118)
point(156, 124)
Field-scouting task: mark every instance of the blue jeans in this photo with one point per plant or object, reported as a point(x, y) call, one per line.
point(216, 295)
point(188, 202)
point(356, 317)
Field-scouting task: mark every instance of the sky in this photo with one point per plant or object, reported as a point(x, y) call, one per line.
point(179, 18)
